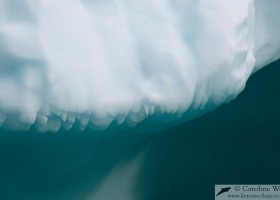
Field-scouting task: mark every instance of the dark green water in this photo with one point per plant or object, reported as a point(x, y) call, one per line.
point(239, 143)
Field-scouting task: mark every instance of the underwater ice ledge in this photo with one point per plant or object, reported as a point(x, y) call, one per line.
point(102, 65)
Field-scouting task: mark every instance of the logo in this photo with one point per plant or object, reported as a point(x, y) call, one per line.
point(223, 190)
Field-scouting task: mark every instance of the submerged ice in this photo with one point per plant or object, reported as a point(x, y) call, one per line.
point(94, 63)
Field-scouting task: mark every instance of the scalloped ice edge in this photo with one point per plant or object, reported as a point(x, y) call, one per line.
point(97, 65)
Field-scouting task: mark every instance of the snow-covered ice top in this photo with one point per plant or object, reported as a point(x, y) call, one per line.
point(97, 62)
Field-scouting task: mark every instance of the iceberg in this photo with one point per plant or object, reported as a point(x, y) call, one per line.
point(94, 64)
point(127, 69)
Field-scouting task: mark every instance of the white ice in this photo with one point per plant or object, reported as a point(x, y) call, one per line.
point(97, 62)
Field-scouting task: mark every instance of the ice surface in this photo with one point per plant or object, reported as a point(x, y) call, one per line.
point(94, 63)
